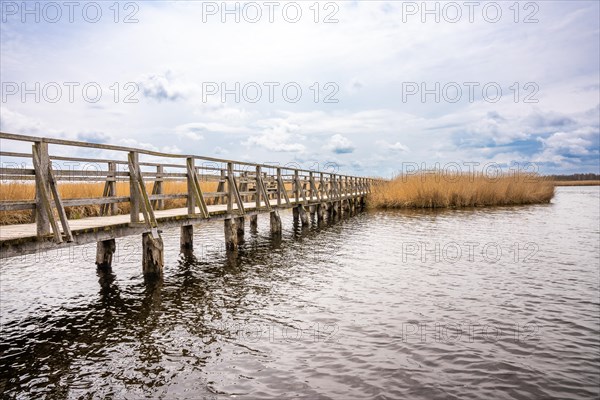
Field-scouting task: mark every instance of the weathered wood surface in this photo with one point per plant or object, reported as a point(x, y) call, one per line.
point(28, 231)
point(152, 255)
point(244, 189)
point(105, 250)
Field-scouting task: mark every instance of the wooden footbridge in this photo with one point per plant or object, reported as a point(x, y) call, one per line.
point(242, 190)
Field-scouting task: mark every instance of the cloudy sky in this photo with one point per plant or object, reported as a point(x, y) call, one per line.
point(370, 86)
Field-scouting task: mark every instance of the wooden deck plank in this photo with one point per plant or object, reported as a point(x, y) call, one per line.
point(24, 231)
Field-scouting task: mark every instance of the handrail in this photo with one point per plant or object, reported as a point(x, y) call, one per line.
point(75, 143)
point(236, 186)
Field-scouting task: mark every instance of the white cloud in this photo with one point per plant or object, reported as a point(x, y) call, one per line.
point(15, 122)
point(393, 147)
point(170, 149)
point(369, 54)
point(340, 145)
point(220, 151)
point(564, 148)
point(277, 135)
point(161, 87)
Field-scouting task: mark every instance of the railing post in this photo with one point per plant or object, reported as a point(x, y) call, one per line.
point(320, 186)
point(321, 190)
point(335, 184)
point(339, 194)
point(304, 183)
point(266, 179)
point(229, 188)
point(311, 181)
point(348, 192)
point(280, 186)
point(134, 199)
point(158, 188)
point(343, 194)
point(244, 185)
point(296, 186)
point(258, 172)
point(112, 186)
point(221, 188)
point(346, 186)
point(42, 219)
point(231, 236)
point(332, 196)
point(110, 190)
point(191, 202)
point(351, 195)
point(254, 218)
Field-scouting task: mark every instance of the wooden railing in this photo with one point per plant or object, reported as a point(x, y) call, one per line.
point(238, 183)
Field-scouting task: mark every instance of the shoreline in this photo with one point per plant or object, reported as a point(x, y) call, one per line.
point(577, 183)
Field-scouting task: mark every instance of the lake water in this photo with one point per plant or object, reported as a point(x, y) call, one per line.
point(487, 303)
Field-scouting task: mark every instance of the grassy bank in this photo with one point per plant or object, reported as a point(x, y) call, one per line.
point(26, 191)
point(577, 183)
point(437, 190)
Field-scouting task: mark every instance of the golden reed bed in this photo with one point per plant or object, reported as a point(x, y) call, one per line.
point(439, 190)
point(427, 190)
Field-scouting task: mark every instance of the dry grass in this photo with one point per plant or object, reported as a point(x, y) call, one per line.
point(576, 183)
point(428, 190)
point(437, 190)
point(13, 191)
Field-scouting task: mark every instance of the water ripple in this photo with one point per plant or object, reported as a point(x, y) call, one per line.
point(496, 303)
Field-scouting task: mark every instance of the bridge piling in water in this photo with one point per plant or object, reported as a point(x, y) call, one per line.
point(104, 253)
point(241, 189)
point(187, 239)
point(275, 221)
point(321, 208)
point(303, 215)
point(231, 237)
point(253, 223)
point(152, 255)
point(240, 224)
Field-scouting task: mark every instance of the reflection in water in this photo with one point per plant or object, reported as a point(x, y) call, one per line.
point(390, 304)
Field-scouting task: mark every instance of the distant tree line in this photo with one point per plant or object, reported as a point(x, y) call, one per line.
point(575, 177)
